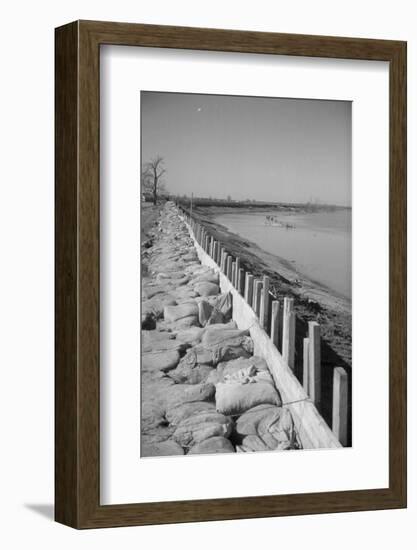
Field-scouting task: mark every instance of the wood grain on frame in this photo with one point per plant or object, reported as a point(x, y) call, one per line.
point(77, 372)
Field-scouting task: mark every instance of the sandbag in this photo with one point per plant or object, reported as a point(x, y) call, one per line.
point(204, 312)
point(175, 313)
point(226, 336)
point(152, 416)
point(230, 367)
point(191, 335)
point(184, 393)
point(163, 448)
point(274, 426)
point(235, 398)
point(206, 289)
point(177, 275)
point(163, 361)
point(202, 355)
point(156, 435)
point(197, 269)
point(152, 290)
point(207, 277)
point(186, 374)
point(248, 423)
point(174, 415)
point(224, 305)
point(253, 443)
point(153, 340)
point(242, 370)
point(247, 375)
point(284, 431)
point(181, 324)
point(217, 444)
point(155, 306)
point(200, 427)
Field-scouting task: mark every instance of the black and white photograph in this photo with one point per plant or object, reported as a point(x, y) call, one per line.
point(246, 274)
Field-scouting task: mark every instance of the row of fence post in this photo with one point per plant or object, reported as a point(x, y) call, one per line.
point(280, 326)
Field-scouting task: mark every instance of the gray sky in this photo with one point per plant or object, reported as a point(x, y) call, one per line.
point(250, 148)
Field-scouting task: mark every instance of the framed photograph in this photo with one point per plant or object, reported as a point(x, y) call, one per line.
point(230, 274)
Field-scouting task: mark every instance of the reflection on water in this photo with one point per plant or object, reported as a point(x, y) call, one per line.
point(318, 245)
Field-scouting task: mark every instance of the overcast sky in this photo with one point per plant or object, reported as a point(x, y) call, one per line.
point(250, 148)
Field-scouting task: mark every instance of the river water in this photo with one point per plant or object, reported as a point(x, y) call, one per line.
point(318, 245)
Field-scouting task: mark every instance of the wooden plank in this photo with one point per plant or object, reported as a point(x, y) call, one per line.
point(340, 404)
point(234, 274)
point(314, 363)
point(275, 323)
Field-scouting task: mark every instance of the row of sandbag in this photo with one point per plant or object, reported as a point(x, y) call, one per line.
point(201, 384)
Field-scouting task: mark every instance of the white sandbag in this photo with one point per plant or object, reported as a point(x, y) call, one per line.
point(153, 340)
point(163, 361)
point(178, 394)
point(163, 448)
point(204, 312)
point(185, 374)
point(206, 289)
point(191, 335)
point(252, 422)
point(200, 427)
point(174, 313)
point(181, 412)
point(217, 444)
point(227, 336)
point(235, 399)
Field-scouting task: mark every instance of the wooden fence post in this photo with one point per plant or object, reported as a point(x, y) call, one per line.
point(264, 309)
point(226, 255)
point(275, 322)
point(241, 281)
point(222, 260)
point(340, 404)
point(235, 282)
point(229, 267)
point(306, 351)
point(233, 273)
point(216, 252)
point(314, 363)
point(257, 293)
point(288, 332)
point(249, 289)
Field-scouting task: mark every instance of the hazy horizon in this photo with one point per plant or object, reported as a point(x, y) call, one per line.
point(265, 149)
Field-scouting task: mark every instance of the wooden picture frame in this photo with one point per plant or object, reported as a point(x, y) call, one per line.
point(77, 374)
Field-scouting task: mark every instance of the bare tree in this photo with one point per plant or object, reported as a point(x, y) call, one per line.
point(151, 177)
